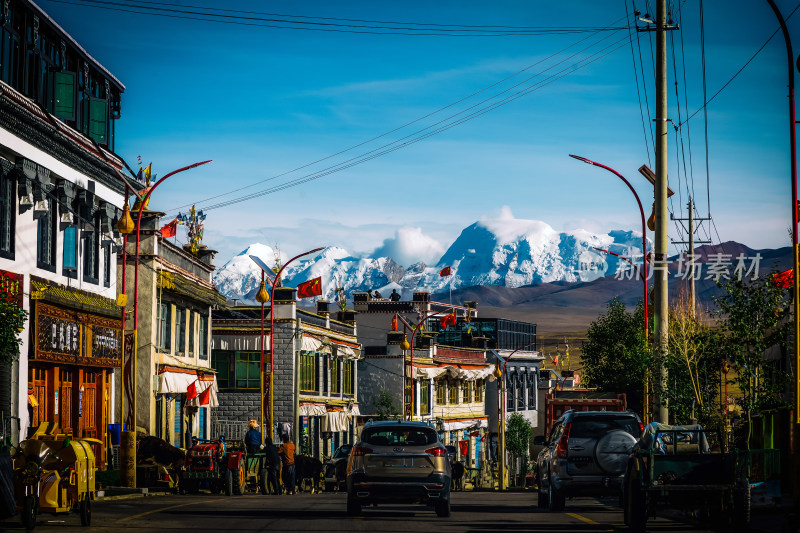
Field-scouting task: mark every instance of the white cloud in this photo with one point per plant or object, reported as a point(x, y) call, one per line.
point(409, 245)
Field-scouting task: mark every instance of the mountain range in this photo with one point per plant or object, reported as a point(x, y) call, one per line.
point(504, 252)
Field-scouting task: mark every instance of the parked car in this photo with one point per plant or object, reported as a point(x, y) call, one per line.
point(586, 453)
point(398, 462)
point(335, 468)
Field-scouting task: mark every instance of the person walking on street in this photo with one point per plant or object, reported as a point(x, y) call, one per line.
point(252, 439)
point(286, 451)
point(274, 466)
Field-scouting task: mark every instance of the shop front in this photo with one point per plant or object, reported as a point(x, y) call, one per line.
point(70, 371)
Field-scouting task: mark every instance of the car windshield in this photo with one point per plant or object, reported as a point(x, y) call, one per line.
point(595, 426)
point(399, 436)
point(343, 451)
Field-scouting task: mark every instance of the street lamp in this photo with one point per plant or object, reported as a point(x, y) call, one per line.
point(795, 249)
point(262, 298)
point(125, 226)
point(644, 268)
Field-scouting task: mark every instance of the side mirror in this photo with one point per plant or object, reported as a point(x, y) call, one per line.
point(539, 440)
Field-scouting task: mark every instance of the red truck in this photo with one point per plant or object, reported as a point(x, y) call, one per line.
point(558, 402)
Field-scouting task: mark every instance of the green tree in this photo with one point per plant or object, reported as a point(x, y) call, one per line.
point(385, 407)
point(12, 321)
point(615, 354)
point(518, 439)
point(754, 318)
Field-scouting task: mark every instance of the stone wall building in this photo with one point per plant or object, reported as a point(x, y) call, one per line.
point(175, 297)
point(314, 379)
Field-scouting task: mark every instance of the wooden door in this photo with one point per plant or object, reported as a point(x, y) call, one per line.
point(66, 411)
point(89, 416)
point(37, 388)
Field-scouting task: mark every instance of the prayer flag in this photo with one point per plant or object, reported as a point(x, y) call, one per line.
point(205, 396)
point(191, 391)
point(312, 287)
point(148, 172)
point(444, 272)
point(170, 230)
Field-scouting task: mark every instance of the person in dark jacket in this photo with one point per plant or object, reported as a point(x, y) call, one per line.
point(274, 466)
point(252, 439)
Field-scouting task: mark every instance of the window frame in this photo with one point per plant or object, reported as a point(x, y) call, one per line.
point(48, 221)
point(164, 333)
point(180, 330)
point(8, 214)
point(335, 367)
point(424, 397)
point(252, 360)
point(202, 332)
point(308, 372)
point(452, 393)
point(70, 270)
point(441, 392)
point(348, 377)
point(91, 254)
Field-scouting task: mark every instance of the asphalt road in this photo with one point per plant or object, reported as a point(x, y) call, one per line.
point(471, 512)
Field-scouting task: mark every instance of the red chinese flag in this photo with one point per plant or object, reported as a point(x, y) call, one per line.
point(312, 287)
point(205, 396)
point(444, 272)
point(394, 323)
point(783, 280)
point(170, 230)
point(191, 391)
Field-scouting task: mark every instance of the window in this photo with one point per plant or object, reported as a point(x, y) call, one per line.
point(532, 391)
point(510, 393)
point(466, 391)
point(107, 266)
point(192, 331)
point(91, 256)
point(221, 363)
point(349, 376)
point(98, 120)
point(46, 241)
point(164, 340)
point(70, 268)
point(180, 331)
point(203, 336)
point(480, 389)
point(441, 392)
point(9, 62)
point(64, 95)
point(336, 379)
point(520, 389)
point(248, 370)
point(453, 393)
point(425, 397)
point(308, 371)
point(8, 211)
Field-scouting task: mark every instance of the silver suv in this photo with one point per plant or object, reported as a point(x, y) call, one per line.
point(586, 454)
point(398, 462)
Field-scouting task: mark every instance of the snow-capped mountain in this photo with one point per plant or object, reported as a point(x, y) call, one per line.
point(502, 251)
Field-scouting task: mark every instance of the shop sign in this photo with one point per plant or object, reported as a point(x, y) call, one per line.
point(79, 338)
point(105, 342)
point(11, 286)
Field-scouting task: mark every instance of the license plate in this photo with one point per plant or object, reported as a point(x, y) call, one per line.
point(400, 463)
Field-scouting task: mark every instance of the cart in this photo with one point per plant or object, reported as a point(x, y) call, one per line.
point(54, 474)
point(672, 468)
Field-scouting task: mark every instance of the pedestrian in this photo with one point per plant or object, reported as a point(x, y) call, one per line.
point(286, 451)
point(252, 439)
point(274, 466)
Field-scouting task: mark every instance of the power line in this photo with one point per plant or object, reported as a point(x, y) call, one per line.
point(437, 111)
point(638, 92)
point(422, 134)
point(218, 16)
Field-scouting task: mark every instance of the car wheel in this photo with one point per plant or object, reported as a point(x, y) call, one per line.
point(443, 508)
point(555, 500)
point(543, 502)
point(86, 511)
point(353, 506)
point(238, 480)
point(28, 517)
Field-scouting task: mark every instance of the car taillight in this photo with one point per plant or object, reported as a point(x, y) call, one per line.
point(563, 442)
point(361, 450)
point(437, 451)
point(641, 428)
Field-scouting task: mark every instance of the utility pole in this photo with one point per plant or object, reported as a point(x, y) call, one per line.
point(660, 258)
point(691, 242)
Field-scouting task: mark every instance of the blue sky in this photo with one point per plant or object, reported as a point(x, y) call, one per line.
point(263, 101)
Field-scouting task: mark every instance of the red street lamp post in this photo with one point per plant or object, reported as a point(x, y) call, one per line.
point(128, 448)
point(272, 341)
point(644, 266)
